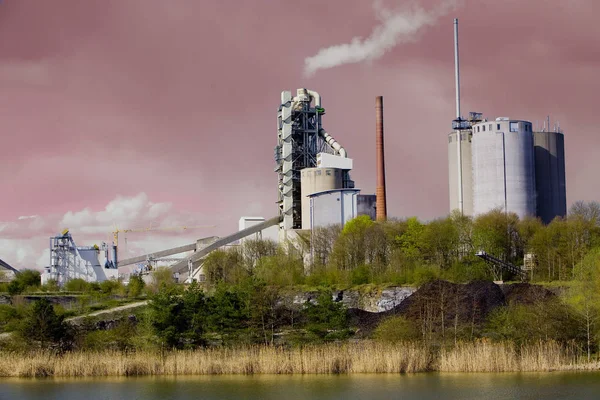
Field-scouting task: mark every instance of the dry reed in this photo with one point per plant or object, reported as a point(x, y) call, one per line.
point(361, 357)
point(487, 356)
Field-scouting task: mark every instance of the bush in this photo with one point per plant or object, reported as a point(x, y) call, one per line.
point(280, 270)
point(396, 329)
point(77, 285)
point(111, 286)
point(50, 286)
point(25, 280)
point(360, 275)
point(135, 286)
point(8, 316)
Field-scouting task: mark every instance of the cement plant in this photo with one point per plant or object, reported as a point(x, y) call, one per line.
point(498, 163)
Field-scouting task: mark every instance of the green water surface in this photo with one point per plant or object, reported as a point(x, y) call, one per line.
point(554, 385)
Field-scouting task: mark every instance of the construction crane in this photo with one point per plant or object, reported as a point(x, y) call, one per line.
point(153, 228)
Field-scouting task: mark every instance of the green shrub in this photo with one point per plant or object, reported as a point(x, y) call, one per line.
point(136, 286)
point(26, 280)
point(360, 275)
point(110, 287)
point(77, 285)
point(396, 329)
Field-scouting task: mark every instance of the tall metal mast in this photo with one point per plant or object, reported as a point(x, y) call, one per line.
point(458, 132)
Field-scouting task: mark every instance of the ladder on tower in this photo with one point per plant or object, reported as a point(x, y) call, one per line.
point(503, 265)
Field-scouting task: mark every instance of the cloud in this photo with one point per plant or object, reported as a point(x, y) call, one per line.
point(395, 28)
point(24, 241)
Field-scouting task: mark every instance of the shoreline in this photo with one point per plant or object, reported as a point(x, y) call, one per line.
point(326, 359)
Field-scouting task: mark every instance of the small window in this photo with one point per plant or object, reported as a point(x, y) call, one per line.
point(483, 128)
point(449, 139)
point(514, 127)
point(490, 127)
point(498, 128)
point(328, 172)
point(318, 172)
point(477, 129)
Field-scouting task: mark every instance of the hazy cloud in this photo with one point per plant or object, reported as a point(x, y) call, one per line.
point(24, 242)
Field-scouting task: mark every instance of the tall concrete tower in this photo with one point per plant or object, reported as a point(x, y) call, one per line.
point(550, 181)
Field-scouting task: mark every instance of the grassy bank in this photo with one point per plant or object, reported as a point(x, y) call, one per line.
point(365, 357)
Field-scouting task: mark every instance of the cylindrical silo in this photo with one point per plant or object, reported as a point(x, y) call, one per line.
point(315, 180)
point(551, 190)
point(461, 187)
point(503, 167)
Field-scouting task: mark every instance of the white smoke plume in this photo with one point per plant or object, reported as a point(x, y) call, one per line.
point(396, 27)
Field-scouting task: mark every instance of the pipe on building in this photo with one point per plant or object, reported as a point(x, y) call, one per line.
point(333, 143)
point(316, 96)
point(381, 207)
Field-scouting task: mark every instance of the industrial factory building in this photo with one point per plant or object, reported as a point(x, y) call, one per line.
point(69, 261)
point(505, 164)
point(314, 184)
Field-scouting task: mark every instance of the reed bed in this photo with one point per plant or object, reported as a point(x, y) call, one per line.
point(361, 357)
point(486, 356)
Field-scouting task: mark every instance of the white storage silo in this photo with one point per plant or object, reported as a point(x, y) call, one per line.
point(503, 167)
point(316, 180)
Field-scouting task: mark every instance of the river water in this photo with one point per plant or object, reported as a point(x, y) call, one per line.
point(434, 386)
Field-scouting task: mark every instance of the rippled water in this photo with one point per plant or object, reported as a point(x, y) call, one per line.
point(556, 385)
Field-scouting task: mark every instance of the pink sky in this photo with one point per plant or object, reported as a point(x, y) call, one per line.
point(109, 107)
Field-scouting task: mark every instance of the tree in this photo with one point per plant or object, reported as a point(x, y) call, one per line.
point(327, 319)
point(255, 249)
point(350, 249)
point(225, 266)
point(135, 286)
point(162, 278)
point(281, 269)
point(229, 310)
point(441, 239)
point(25, 279)
point(496, 233)
point(584, 296)
point(44, 327)
point(264, 312)
point(322, 241)
point(412, 240)
point(178, 320)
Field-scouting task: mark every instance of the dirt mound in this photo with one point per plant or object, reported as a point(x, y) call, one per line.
point(525, 293)
point(440, 305)
point(441, 300)
point(365, 321)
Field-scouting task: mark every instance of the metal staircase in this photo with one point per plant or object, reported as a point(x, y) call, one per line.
point(503, 265)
